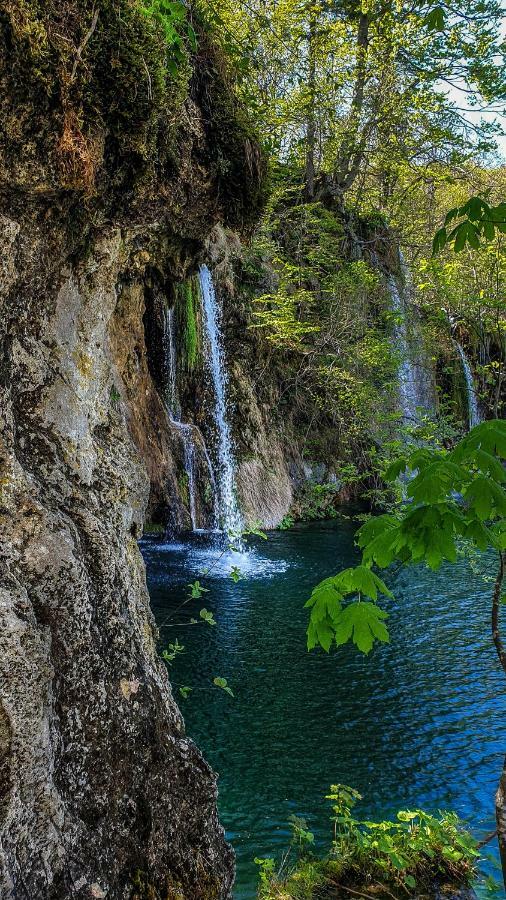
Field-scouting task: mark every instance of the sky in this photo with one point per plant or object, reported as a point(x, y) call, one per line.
point(476, 115)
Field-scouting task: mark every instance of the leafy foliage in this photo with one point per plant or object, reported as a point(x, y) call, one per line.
point(477, 220)
point(405, 857)
point(454, 496)
point(223, 684)
point(172, 17)
point(361, 622)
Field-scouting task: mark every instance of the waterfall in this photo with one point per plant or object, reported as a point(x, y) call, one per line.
point(415, 383)
point(171, 363)
point(186, 431)
point(408, 393)
point(473, 411)
point(228, 511)
point(189, 466)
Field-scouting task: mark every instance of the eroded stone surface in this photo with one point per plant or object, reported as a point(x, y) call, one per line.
point(100, 790)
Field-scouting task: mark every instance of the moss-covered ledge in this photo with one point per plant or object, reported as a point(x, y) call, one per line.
point(93, 105)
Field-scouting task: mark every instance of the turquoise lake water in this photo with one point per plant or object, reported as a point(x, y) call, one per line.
point(419, 722)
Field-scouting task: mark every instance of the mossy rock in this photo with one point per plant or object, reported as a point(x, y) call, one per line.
point(91, 104)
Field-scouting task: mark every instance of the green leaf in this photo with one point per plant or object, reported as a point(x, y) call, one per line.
point(498, 534)
point(439, 242)
point(362, 623)
point(184, 691)
point(452, 214)
point(325, 600)
point(207, 616)
point(360, 580)
point(196, 590)
point(235, 574)
point(395, 469)
point(255, 531)
point(435, 19)
point(222, 683)
point(489, 465)
point(375, 527)
point(486, 498)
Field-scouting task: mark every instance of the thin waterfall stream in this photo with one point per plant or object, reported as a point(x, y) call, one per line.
point(473, 410)
point(229, 517)
point(185, 430)
point(416, 392)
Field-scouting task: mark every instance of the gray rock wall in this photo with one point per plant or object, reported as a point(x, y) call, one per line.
point(101, 793)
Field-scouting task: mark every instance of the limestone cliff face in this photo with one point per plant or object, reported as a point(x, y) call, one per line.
point(101, 792)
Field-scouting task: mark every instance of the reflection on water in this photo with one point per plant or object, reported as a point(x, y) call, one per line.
point(419, 722)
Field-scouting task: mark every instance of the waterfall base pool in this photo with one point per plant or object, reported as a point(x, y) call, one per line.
point(419, 722)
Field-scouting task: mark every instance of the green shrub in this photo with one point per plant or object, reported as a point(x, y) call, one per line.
point(410, 856)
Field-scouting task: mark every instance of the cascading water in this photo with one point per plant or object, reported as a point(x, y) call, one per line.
point(408, 394)
point(185, 430)
point(415, 384)
point(171, 363)
point(228, 512)
point(473, 410)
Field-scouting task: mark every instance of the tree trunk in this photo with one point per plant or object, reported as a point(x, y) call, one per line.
point(352, 147)
point(311, 103)
point(500, 814)
point(500, 797)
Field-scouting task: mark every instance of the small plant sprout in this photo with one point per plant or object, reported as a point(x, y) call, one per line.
point(197, 590)
point(235, 574)
point(172, 651)
point(222, 683)
point(301, 836)
point(207, 617)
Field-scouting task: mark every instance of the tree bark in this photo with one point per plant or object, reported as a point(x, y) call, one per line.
point(500, 797)
point(352, 147)
point(311, 117)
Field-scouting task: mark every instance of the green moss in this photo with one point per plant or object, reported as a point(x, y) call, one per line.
point(239, 166)
point(153, 528)
point(209, 888)
point(95, 96)
point(94, 71)
point(184, 488)
point(189, 296)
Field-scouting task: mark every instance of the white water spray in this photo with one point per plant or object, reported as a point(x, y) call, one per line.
point(415, 384)
point(186, 431)
point(171, 363)
point(473, 410)
point(229, 516)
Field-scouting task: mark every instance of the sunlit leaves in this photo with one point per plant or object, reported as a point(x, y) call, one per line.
point(454, 496)
point(207, 617)
point(360, 580)
point(222, 683)
point(359, 622)
point(254, 530)
point(325, 604)
point(235, 574)
point(477, 220)
point(172, 651)
point(171, 17)
point(196, 590)
point(362, 623)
